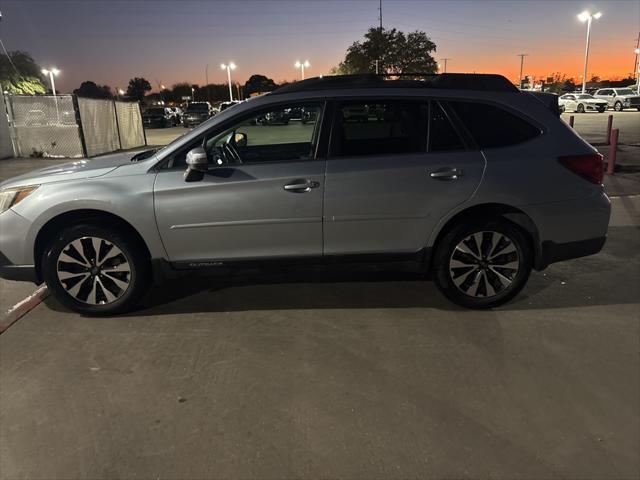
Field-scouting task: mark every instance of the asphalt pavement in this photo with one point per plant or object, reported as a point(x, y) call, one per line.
point(304, 375)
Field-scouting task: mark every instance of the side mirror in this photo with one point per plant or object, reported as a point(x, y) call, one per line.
point(197, 159)
point(240, 139)
point(197, 165)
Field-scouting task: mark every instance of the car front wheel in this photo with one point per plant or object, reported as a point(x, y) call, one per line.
point(580, 108)
point(618, 106)
point(95, 271)
point(483, 264)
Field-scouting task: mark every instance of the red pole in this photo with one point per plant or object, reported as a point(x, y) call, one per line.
point(571, 118)
point(609, 126)
point(613, 150)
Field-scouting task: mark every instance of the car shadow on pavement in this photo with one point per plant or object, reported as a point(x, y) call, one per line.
point(611, 277)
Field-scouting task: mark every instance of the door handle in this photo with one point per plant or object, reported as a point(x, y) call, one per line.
point(446, 174)
point(301, 186)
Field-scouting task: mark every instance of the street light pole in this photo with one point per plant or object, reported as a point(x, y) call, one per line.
point(206, 81)
point(587, 17)
point(637, 72)
point(302, 66)
point(229, 67)
point(521, 55)
point(53, 71)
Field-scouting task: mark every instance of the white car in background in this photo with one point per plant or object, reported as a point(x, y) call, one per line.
point(581, 102)
point(619, 98)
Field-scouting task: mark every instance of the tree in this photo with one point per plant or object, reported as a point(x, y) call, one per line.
point(395, 52)
point(20, 74)
point(90, 89)
point(138, 87)
point(259, 84)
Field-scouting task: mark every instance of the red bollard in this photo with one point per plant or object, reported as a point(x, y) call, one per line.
point(571, 118)
point(613, 150)
point(609, 126)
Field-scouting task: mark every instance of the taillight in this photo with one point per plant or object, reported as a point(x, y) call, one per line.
point(589, 167)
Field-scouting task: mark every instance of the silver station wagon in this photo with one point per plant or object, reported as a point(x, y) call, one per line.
point(464, 177)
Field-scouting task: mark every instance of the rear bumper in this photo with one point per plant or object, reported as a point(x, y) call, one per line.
point(552, 252)
point(22, 273)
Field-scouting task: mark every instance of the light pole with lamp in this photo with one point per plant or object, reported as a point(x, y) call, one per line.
point(587, 17)
point(637, 74)
point(302, 66)
point(228, 67)
point(53, 71)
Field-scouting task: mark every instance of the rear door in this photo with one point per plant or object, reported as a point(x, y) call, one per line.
point(392, 173)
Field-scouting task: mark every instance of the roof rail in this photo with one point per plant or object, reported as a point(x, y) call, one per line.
point(449, 81)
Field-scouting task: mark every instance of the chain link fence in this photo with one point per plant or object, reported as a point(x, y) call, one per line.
point(45, 126)
point(66, 126)
point(6, 144)
point(130, 125)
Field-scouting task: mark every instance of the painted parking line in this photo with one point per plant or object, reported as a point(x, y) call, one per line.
point(23, 307)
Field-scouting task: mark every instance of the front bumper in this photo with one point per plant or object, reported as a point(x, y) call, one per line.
point(22, 273)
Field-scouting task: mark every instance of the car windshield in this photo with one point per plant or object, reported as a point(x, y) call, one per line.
point(197, 107)
point(584, 96)
point(624, 91)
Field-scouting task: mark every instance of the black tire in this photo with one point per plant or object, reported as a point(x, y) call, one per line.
point(580, 108)
point(136, 261)
point(638, 109)
point(618, 106)
point(445, 273)
point(602, 109)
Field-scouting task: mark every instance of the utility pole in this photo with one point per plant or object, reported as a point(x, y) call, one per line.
point(379, 53)
point(636, 73)
point(521, 55)
point(380, 8)
point(445, 64)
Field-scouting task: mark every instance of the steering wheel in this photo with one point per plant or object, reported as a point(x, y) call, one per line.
point(229, 151)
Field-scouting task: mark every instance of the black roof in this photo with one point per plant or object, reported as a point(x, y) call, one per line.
point(449, 81)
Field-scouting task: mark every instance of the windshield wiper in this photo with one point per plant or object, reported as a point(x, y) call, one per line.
point(143, 155)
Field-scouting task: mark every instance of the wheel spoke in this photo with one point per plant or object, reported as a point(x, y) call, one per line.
point(462, 248)
point(120, 283)
point(504, 280)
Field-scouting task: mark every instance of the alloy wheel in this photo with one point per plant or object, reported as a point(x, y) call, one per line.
point(93, 270)
point(484, 264)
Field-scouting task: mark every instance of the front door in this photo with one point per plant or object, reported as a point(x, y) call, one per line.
point(388, 182)
point(261, 197)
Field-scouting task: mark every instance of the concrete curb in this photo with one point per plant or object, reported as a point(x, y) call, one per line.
point(23, 307)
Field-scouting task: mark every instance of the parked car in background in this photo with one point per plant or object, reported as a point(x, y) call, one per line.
point(176, 113)
point(619, 98)
point(581, 102)
point(275, 117)
point(464, 178)
point(225, 105)
point(159, 117)
point(196, 113)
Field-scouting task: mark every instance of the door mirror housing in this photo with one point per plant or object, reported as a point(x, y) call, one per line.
point(197, 159)
point(240, 139)
point(197, 164)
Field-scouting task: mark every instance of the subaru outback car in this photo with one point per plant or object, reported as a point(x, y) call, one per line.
point(464, 177)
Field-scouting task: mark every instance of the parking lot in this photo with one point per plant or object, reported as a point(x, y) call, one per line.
point(336, 374)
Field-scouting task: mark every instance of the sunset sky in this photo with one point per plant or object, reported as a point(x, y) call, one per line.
point(171, 41)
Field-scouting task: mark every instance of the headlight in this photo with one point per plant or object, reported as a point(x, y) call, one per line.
point(12, 196)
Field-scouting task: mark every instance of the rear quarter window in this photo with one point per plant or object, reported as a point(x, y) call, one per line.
point(492, 126)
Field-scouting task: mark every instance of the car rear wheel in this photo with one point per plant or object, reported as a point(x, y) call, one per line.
point(618, 106)
point(580, 108)
point(95, 271)
point(483, 264)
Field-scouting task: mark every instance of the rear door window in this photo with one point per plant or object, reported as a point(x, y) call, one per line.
point(492, 126)
point(379, 127)
point(442, 134)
